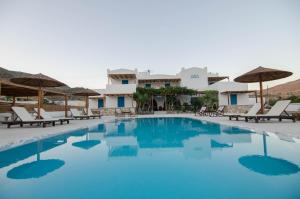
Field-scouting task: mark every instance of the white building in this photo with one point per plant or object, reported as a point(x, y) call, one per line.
point(122, 83)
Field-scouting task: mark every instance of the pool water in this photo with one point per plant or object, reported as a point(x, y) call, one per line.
point(155, 158)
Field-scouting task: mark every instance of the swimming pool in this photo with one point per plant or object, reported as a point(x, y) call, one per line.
point(153, 158)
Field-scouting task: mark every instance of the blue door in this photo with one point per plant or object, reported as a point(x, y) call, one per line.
point(233, 99)
point(121, 101)
point(100, 103)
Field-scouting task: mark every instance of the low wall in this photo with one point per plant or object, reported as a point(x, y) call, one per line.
point(237, 108)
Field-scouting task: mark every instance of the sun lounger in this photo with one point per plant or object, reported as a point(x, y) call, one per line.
point(119, 112)
point(92, 115)
point(218, 112)
point(253, 111)
point(132, 111)
point(201, 112)
point(77, 115)
point(24, 117)
point(276, 112)
point(47, 116)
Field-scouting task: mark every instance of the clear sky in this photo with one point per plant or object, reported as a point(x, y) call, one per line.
point(75, 41)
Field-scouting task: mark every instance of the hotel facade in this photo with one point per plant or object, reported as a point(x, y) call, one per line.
point(122, 83)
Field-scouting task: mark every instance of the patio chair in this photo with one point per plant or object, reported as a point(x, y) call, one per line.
point(24, 117)
point(47, 116)
point(252, 111)
point(93, 115)
point(77, 115)
point(202, 111)
point(218, 112)
point(276, 112)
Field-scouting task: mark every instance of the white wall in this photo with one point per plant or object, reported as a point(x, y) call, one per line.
point(195, 78)
point(112, 102)
point(242, 98)
point(119, 81)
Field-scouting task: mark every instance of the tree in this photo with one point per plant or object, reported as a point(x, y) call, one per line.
point(210, 99)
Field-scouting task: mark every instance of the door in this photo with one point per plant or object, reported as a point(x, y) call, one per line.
point(100, 103)
point(121, 101)
point(233, 99)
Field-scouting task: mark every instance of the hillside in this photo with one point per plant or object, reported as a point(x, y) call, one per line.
point(286, 89)
point(7, 74)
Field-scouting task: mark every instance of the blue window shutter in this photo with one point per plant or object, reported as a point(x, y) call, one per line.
point(125, 81)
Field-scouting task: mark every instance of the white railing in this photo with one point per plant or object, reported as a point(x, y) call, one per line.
point(120, 88)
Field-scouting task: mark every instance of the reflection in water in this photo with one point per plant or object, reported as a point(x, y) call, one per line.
point(267, 165)
point(151, 154)
point(87, 143)
point(38, 168)
point(215, 144)
point(35, 169)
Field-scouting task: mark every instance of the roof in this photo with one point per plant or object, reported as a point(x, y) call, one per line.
point(121, 74)
point(217, 78)
point(240, 91)
point(121, 71)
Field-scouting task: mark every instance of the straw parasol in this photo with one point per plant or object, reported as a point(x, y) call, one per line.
point(261, 74)
point(40, 81)
point(86, 93)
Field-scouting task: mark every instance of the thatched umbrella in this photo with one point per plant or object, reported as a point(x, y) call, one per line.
point(40, 81)
point(261, 74)
point(86, 93)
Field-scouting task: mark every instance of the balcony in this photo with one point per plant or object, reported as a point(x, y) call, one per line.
point(120, 89)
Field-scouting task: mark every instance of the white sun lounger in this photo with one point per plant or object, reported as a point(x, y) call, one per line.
point(77, 115)
point(202, 110)
point(47, 116)
point(26, 118)
point(252, 111)
point(91, 114)
point(276, 112)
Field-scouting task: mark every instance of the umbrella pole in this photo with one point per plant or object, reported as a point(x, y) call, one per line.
point(261, 97)
point(66, 106)
point(39, 103)
point(265, 145)
point(87, 103)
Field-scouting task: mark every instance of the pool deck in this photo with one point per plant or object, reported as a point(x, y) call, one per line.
point(16, 136)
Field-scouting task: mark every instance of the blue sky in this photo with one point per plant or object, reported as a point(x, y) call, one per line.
point(76, 41)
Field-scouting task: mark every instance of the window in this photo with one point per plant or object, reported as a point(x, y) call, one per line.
point(124, 81)
point(147, 85)
point(121, 101)
point(167, 84)
point(233, 99)
point(100, 103)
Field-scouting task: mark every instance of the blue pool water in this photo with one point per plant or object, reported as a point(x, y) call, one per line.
point(158, 158)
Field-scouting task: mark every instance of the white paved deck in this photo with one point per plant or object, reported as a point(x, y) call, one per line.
point(17, 136)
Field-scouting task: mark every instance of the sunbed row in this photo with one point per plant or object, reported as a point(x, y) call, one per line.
point(278, 111)
point(22, 116)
